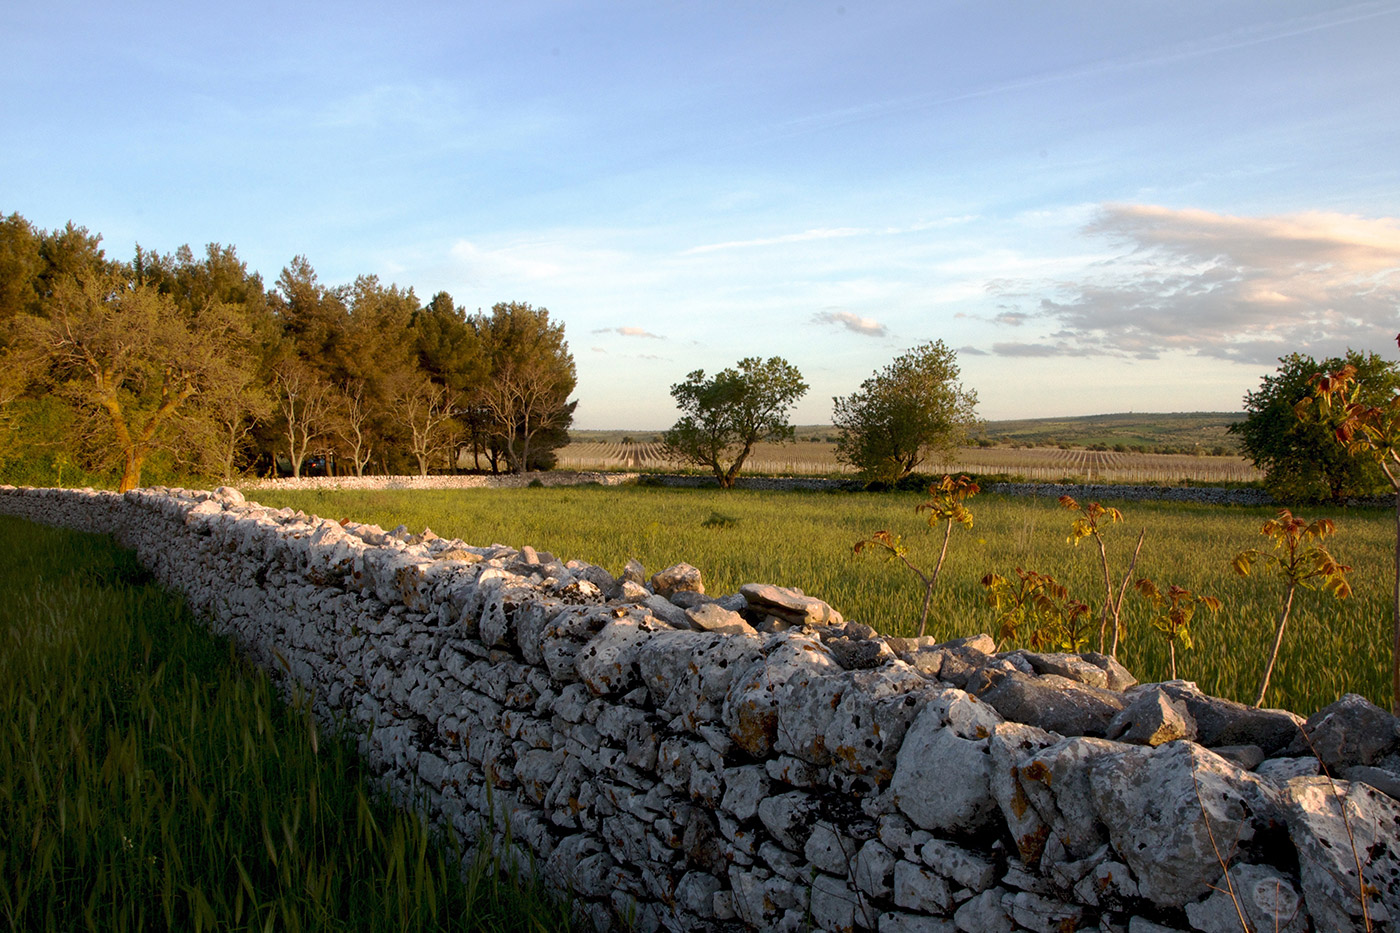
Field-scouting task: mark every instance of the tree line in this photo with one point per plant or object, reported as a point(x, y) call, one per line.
point(189, 363)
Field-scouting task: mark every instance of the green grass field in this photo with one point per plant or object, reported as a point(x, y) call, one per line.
point(804, 540)
point(151, 780)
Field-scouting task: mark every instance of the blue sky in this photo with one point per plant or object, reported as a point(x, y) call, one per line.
point(1103, 206)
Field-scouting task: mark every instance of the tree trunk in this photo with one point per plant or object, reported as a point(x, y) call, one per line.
point(131, 470)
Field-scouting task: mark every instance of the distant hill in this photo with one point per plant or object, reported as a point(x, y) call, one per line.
point(1205, 430)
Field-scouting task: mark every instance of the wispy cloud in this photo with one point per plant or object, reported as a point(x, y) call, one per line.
point(629, 332)
point(1246, 289)
point(853, 322)
point(1030, 349)
point(823, 233)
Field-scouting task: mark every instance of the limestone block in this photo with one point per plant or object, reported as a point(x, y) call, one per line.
point(1051, 702)
point(1325, 850)
point(607, 664)
point(710, 617)
point(1351, 731)
point(942, 781)
point(744, 788)
point(1282, 770)
point(964, 866)
point(1161, 807)
point(1070, 666)
point(874, 874)
point(1264, 896)
point(676, 578)
point(1012, 745)
point(868, 727)
point(806, 710)
point(696, 893)
point(834, 904)
point(537, 770)
point(751, 901)
point(1042, 914)
point(896, 922)
point(984, 914)
point(566, 634)
point(830, 850)
point(702, 681)
point(1224, 722)
point(1153, 718)
point(664, 659)
point(751, 710)
point(918, 889)
point(789, 818)
point(783, 862)
point(1056, 782)
point(788, 604)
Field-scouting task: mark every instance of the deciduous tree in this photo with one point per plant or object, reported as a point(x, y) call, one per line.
point(726, 415)
point(130, 355)
point(1303, 461)
point(913, 409)
point(531, 375)
point(305, 408)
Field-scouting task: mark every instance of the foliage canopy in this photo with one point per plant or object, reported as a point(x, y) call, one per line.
point(912, 409)
point(1303, 460)
point(724, 416)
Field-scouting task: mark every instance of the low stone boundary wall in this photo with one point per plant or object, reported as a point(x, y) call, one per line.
point(1208, 494)
point(753, 761)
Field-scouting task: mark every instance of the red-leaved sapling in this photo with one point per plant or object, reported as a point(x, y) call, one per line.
point(1375, 430)
point(1089, 524)
point(945, 506)
point(1037, 612)
point(1173, 612)
point(1300, 558)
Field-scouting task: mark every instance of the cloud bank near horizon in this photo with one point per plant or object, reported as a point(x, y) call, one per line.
point(1233, 288)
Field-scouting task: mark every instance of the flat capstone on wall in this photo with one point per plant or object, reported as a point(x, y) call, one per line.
point(680, 761)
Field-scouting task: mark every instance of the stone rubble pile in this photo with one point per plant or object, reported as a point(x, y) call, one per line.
point(680, 761)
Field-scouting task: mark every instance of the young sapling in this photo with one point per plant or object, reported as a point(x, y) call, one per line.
point(945, 505)
point(1302, 561)
point(1037, 612)
point(1174, 611)
point(1375, 430)
point(1088, 525)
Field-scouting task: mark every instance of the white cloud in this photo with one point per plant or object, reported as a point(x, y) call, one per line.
point(1246, 289)
point(853, 322)
point(629, 332)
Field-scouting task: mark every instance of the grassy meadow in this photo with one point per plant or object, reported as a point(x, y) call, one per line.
point(804, 539)
point(151, 780)
point(815, 457)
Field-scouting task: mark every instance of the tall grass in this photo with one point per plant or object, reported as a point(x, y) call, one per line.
point(804, 539)
point(149, 779)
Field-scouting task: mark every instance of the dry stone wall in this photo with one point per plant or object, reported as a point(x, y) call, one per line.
point(753, 761)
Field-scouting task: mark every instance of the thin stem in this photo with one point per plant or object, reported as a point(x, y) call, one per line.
point(938, 568)
point(1122, 592)
point(1278, 641)
point(1107, 591)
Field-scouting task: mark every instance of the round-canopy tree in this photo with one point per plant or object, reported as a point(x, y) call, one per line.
point(726, 415)
point(1302, 459)
point(912, 409)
